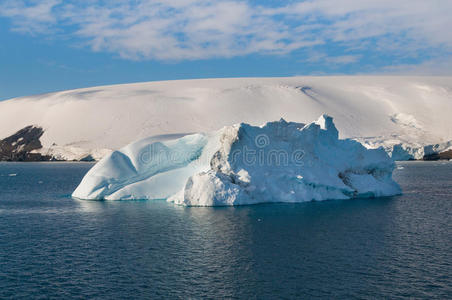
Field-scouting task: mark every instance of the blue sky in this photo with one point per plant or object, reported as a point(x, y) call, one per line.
point(51, 45)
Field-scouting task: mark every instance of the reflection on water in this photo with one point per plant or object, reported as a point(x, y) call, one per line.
point(52, 245)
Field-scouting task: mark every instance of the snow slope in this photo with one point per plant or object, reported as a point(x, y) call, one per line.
point(415, 111)
point(243, 164)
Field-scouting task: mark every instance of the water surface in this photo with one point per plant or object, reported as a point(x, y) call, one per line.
point(55, 246)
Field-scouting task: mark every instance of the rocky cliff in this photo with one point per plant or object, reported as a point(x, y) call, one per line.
point(20, 145)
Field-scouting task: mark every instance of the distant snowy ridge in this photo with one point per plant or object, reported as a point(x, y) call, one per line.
point(402, 149)
point(377, 110)
point(243, 164)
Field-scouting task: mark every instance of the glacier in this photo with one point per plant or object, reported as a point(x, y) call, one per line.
point(411, 111)
point(243, 164)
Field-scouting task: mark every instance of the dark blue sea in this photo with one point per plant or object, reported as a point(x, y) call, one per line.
point(52, 246)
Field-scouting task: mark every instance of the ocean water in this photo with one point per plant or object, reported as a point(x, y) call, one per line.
point(52, 246)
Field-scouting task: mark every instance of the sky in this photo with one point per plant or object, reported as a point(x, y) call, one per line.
point(51, 45)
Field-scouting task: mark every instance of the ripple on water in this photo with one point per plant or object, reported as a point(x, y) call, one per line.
point(55, 246)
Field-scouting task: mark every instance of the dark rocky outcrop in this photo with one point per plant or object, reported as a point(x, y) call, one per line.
point(437, 156)
point(19, 146)
point(88, 158)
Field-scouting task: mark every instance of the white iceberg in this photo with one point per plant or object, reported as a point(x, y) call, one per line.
point(243, 164)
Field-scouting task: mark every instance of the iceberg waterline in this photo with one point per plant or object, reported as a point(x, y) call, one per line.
point(244, 164)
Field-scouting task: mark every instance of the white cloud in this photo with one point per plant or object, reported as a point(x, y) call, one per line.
point(441, 67)
point(35, 18)
point(200, 29)
point(322, 58)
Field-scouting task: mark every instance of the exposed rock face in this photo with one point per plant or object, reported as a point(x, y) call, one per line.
point(20, 146)
point(437, 156)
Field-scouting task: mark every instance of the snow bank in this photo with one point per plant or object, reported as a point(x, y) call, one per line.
point(403, 149)
point(414, 111)
point(244, 164)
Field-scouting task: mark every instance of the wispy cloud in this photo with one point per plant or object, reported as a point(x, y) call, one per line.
point(323, 58)
point(202, 29)
point(438, 67)
point(32, 18)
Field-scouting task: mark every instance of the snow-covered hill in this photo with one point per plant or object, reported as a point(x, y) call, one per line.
point(415, 111)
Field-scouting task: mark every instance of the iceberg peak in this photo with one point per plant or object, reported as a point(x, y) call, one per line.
point(326, 123)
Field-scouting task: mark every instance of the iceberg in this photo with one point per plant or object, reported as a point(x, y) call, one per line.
point(244, 164)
